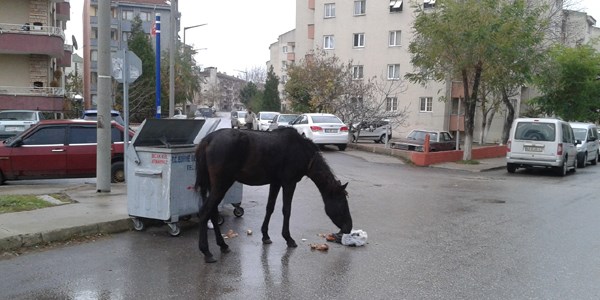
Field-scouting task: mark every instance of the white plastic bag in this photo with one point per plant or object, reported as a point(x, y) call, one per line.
point(354, 238)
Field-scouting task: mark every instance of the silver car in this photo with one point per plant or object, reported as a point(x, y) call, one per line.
point(13, 122)
point(375, 131)
point(282, 120)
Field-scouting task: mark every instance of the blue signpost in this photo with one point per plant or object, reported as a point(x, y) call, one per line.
point(157, 30)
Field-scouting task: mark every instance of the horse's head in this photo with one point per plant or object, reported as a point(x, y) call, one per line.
point(336, 207)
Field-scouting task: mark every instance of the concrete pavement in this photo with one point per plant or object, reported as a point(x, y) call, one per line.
point(94, 213)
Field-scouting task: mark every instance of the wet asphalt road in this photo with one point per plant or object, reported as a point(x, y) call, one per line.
point(433, 234)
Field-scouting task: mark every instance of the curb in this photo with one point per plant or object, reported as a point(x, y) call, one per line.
point(58, 235)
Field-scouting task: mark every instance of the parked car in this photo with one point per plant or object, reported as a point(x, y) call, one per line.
point(322, 129)
point(586, 136)
point(13, 122)
point(263, 119)
point(282, 120)
point(203, 113)
point(238, 119)
point(59, 149)
point(439, 140)
point(541, 142)
point(92, 115)
point(375, 131)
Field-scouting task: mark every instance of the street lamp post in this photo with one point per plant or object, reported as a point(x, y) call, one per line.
point(184, 49)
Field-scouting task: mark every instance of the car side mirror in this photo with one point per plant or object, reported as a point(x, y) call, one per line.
point(577, 142)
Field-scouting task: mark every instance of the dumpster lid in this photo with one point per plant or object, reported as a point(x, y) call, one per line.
point(168, 133)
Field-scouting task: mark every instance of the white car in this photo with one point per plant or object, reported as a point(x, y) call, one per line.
point(322, 129)
point(263, 119)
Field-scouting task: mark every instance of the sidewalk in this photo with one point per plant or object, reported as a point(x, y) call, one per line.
point(107, 212)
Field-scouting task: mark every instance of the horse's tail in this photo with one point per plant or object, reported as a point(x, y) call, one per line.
point(202, 179)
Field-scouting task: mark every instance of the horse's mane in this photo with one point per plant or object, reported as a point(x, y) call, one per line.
point(322, 175)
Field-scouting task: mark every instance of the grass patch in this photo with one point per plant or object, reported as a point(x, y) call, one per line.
point(15, 203)
point(468, 162)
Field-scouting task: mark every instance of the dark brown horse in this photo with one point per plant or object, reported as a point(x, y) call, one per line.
point(279, 158)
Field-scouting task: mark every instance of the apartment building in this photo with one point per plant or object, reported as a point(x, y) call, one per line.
point(375, 36)
point(33, 54)
point(218, 90)
point(122, 13)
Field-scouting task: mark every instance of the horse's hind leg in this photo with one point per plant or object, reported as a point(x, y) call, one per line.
point(214, 218)
point(288, 193)
point(273, 192)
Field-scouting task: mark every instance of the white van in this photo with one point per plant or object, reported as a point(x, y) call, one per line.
point(540, 142)
point(586, 135)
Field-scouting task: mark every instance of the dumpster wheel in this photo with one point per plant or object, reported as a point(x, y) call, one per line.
point(174, 229)
point(137, 224)
point(238, 211)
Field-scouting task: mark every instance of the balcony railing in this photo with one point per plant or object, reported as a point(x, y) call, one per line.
point(31, 29)
point(31, 91)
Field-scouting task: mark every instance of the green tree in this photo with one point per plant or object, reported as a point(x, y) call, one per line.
point(463, 39)
point(141, 92)
point(247, 93)
point(187, 82)
point(271, 100)
point(74, 86)
point(569, 84)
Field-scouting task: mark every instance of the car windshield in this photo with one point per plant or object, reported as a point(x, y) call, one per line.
point(580, 133)
point(326, 119)
point(241, 114)
point(287, 118)
point(17, 115)
point(267, 116)
point(420, 135)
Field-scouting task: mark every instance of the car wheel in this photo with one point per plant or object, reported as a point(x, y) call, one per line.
point(582, 162)
point(381, 139)
point(595, 161)
point(117, 172)
point(562, 170)
point(342, 147)
point(1, 178)
point(511, 168)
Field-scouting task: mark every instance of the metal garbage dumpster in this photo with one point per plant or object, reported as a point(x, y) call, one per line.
point(161, 172)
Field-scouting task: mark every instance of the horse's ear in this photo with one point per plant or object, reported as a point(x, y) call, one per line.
point(344, 186)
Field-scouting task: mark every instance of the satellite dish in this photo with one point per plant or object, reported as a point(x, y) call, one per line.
point(74, 41)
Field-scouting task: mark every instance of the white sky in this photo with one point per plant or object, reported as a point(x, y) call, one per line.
point(238, 32)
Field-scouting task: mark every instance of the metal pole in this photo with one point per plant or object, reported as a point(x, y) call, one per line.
point(104, 98)
point(173, 46)
point(458, 125)
point(157, 88)
point(125, 76)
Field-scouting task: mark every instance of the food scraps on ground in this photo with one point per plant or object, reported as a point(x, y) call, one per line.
point(331, 237)
point(320, 247)
point(230, 234)
point(249, 232)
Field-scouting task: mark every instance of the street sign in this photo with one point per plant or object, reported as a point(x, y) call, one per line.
point(118, 66)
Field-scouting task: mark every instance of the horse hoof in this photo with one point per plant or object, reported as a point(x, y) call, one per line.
point(209, 259)
point(267, 241)
point(225, 249)
point(292, 244)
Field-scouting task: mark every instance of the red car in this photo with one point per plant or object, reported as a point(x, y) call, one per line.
point(59, 149)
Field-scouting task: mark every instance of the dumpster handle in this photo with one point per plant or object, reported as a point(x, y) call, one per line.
point(148, 173)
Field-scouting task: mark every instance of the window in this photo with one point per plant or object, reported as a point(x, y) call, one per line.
point(94, 34)
point(394, 39)
point(359, 40)
point(93, 11)
point(114, 35)
point(127, 15)
point(394, 72)
point(284, 49)
point(145, 16)
point(357, 72)
point(94, 55)
point(51, 135)
point(329, 10)
point(395, 5)
point(391, 103)
point(428, 3)
point(328, 42)
point(359, 7)
point(426, 104)
point(113, 13)
point(125, 35)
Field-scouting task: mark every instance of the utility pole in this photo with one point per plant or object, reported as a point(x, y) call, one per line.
point(172, 49)
point(104, 98)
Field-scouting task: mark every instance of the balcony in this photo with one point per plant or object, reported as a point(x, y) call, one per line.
point(65, 59)
point(31, 39)
point(291, 56)
point(63, 11)
point(42, 98)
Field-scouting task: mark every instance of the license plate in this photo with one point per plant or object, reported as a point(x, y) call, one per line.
point(14, 128)
point(330, 130)
point(533, 149)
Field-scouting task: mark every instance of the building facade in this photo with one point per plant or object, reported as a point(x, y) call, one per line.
point(33, 54)
point(219, 91)
point(375, 35)
point(122, 14)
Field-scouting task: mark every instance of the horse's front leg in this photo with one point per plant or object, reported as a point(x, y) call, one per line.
point(273, 192)
point(288, 193)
